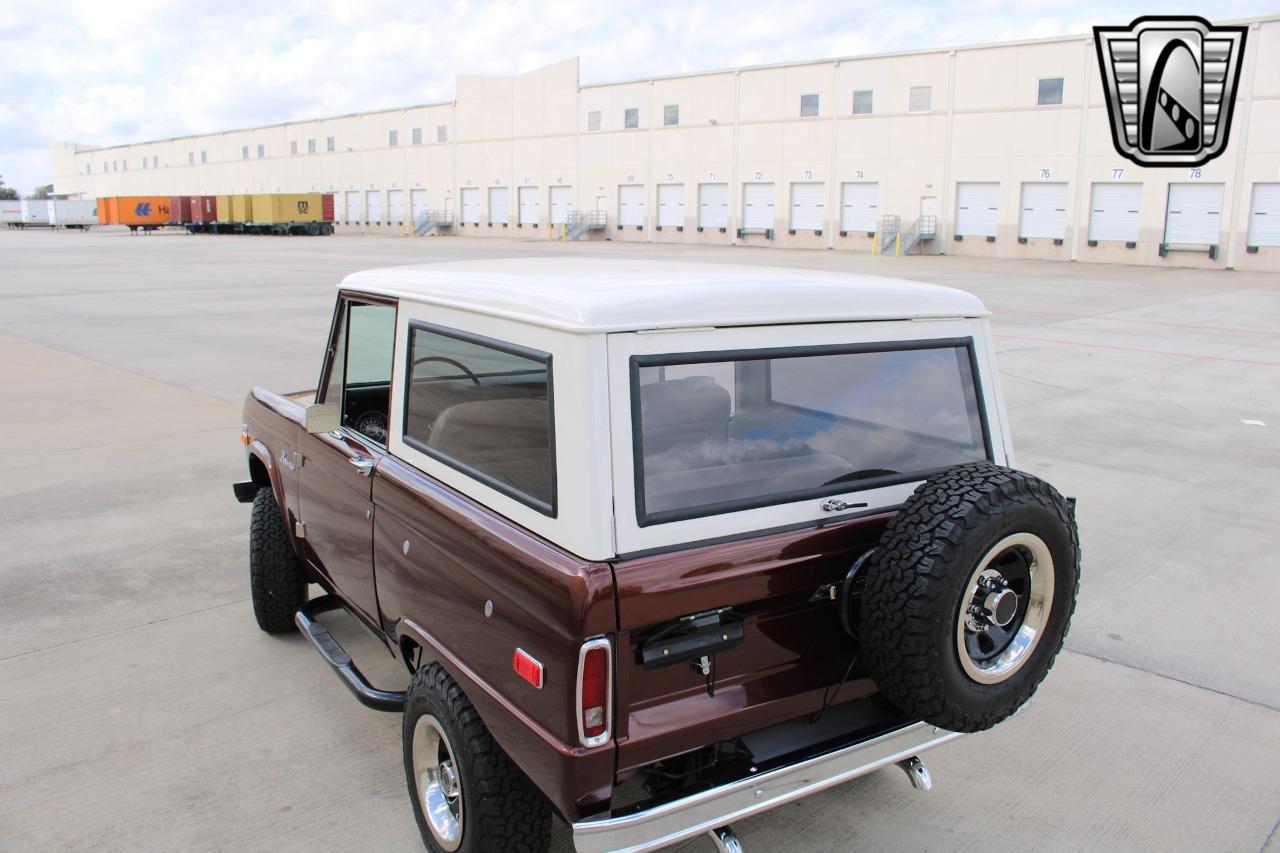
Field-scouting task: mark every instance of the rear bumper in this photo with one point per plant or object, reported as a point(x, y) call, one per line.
point(671, 822)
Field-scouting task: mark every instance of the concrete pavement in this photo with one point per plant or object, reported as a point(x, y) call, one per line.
point(140, 708)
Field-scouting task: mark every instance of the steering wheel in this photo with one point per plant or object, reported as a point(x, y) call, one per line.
point(470, 374)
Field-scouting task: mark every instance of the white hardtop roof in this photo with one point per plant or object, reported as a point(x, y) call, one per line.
point(592, 295)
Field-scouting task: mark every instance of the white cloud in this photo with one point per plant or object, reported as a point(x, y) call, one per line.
point(104, 73)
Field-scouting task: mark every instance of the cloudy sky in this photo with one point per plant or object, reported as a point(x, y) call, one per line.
point(100, 72)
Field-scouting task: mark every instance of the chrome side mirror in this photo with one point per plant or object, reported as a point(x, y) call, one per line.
point(321, 417)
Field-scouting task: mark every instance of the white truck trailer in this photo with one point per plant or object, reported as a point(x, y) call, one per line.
point(73, 212)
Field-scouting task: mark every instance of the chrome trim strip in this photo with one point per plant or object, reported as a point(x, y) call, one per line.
point(675, 821)
point(603, 737)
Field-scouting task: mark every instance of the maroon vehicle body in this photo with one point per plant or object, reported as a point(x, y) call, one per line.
point(463, 555)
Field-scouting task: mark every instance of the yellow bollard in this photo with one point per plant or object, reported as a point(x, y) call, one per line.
point(897, 249)
point(875, 244)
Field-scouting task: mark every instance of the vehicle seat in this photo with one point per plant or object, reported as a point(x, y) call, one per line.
point(686, 411)
point(506, 439)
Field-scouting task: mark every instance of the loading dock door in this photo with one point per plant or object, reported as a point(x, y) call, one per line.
point(395, 207)
point(808, 206)
point(1264, 215)
point(757, 206)
point(1195, 214)
point(471, 205)
point(561, 204)
point(417, 204)
point(353, 206)
point(1043, 211)
point(713, 205)
point(630, 205)
point(498, 197)
point(859, 207)
point(670, 205)
point(1114, 212)
point(977, 209)
point(373, 204)
point(528, 205)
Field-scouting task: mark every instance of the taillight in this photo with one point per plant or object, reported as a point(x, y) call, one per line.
point(595, 691)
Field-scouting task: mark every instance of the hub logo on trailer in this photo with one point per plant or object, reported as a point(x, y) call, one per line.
point(1170, 84)
point(143, 208)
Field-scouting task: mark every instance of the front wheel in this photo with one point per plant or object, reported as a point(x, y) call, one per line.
point(276, 579)
point(467, 795)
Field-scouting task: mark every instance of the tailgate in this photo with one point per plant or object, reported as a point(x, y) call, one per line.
point(792, 648)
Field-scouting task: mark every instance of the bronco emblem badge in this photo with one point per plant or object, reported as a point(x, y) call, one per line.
point(1170, 84)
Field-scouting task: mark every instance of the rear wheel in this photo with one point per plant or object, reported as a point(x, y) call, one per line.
point(969, 594)
point(276, 579)
point(467, 795)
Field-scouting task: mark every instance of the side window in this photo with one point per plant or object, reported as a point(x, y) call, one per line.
point(359, 380)
point(483, 407)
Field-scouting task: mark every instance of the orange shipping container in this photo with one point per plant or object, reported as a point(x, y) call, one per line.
point(142, 210)
point(106, 211)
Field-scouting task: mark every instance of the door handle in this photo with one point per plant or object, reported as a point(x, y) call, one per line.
point(363, 464)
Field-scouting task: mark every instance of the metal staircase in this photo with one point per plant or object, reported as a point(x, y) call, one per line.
point(891, 239)
point(580, 222)
point(924, 228)
point(439, 219)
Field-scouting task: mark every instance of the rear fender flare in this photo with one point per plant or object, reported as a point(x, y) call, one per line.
point(487, 700)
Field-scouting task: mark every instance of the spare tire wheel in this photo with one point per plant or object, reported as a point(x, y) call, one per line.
point(968, 596)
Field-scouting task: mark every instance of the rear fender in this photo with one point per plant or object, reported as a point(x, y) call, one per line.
point(561, 771)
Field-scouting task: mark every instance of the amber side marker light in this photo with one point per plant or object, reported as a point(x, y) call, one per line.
point(245, 438)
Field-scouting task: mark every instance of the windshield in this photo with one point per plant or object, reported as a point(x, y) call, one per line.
point(765, 427)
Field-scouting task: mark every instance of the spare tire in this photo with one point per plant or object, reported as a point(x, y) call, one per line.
point(968, 596)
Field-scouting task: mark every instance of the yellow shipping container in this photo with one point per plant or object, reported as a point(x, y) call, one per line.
point(278, 208)
point(223, 206)
point(241, 208)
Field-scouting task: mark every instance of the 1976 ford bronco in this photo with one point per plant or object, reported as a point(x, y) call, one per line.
point(662, 545)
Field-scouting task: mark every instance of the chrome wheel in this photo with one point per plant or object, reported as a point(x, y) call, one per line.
point(439, 781)
point(1004, 607)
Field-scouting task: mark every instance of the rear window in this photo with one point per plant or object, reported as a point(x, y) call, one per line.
point(483, 407)
point(720, 432)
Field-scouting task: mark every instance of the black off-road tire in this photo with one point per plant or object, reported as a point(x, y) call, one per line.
point(276, 578)
point(917, 580)
point(502, 811)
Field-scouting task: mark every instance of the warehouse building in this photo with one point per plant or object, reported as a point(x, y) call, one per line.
point(999, 150)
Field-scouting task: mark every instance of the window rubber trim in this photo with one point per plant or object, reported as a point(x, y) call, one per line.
point(647, 519)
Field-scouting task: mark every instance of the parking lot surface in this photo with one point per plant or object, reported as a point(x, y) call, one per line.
point(141, 709)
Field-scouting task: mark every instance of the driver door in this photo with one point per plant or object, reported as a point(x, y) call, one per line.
point(335, 482)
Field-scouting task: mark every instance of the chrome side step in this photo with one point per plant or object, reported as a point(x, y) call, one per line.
point(336, 656)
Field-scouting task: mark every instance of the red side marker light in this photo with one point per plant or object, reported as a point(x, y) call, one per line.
point(527, 667)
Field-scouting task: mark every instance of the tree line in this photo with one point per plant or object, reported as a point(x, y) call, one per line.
point(7, 192)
